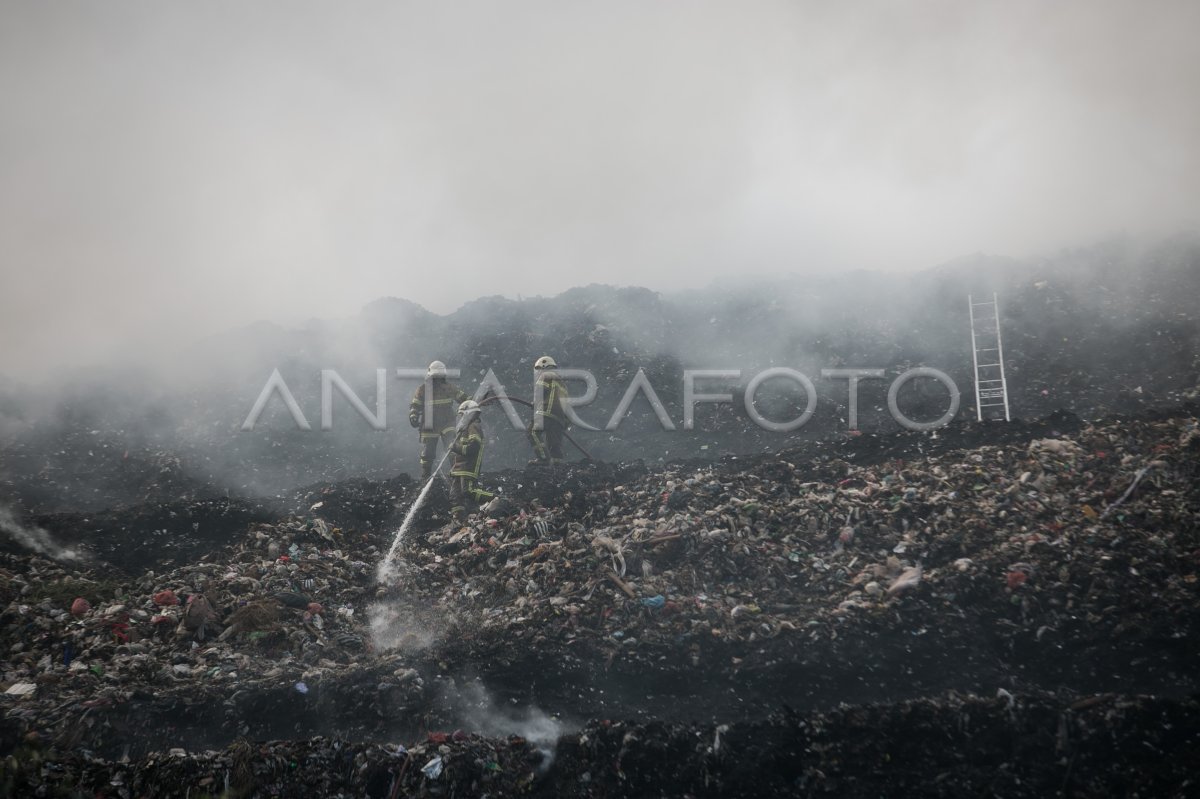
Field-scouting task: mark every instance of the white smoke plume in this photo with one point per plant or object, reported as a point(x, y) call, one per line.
point(36, 539)
point(481, 714)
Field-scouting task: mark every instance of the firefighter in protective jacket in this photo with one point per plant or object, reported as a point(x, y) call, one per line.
point(439, 424)
point(549, 420)
point(468, 457)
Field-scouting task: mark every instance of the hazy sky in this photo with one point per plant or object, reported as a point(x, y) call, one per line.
point(169, 169)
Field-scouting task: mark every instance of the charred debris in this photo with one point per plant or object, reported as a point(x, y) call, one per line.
point(998, 609)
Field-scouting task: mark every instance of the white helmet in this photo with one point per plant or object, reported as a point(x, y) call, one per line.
point(468, 409)
point(545, 362)
point(436, 369)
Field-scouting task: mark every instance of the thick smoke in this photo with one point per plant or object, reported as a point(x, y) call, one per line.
point(114, 438)
point(480, 151)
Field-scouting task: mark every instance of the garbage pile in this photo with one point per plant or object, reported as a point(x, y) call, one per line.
point(1066, 560)
point(261, 629)
point(456, 764)
point(868, 589)
point(156, 534)
point(79, 468)
point(1028, 746)
point(1032, 746)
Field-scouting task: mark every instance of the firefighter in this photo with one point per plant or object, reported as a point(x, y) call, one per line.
point(549, 419)
point(468, 456)
point(440, 425)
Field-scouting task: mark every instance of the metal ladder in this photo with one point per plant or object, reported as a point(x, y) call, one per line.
point(987, 352)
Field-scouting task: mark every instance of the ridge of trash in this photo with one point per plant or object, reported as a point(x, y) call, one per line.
point(1056, 564)
point(1094, 331)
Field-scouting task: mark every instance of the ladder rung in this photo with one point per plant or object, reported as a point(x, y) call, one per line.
point(992, 392)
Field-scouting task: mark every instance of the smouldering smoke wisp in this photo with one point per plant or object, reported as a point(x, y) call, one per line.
point(35, 538)
point(480, 713)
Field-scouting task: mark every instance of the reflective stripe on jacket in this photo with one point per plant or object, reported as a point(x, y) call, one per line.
point(548, 395)
point(468, 451)
point(446, 399)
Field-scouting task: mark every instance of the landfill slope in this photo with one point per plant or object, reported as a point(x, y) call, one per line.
point(1113, 328)
point(995, 609)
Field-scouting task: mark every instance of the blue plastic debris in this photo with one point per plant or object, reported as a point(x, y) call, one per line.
point(654, 602)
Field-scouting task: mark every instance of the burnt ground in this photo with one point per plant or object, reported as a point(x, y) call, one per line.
point(1058, 660)
point(172, 529)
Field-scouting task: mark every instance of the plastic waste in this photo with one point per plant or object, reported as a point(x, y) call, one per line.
point(433, 769)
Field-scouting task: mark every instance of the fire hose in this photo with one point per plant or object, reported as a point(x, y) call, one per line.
point(492, 397)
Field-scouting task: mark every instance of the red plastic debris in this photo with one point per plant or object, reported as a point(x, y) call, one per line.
point(80, 607)
point(166, 597)
point(1016, 579)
